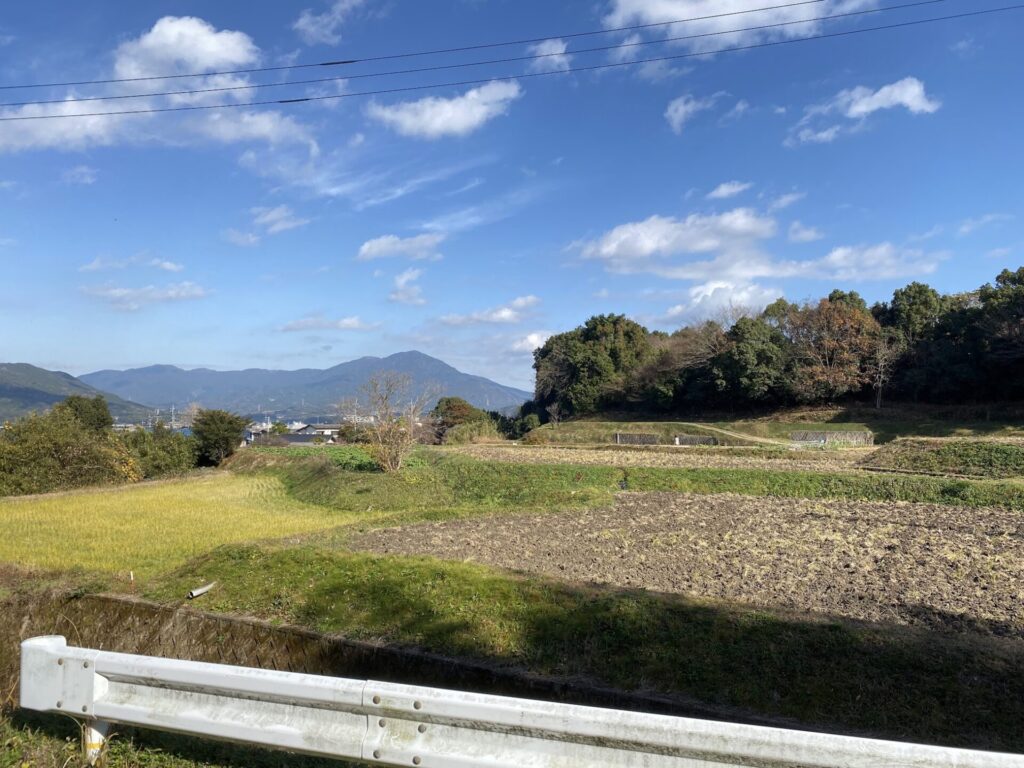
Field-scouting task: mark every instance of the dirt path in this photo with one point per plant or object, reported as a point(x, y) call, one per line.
point(739, 435)
point(682, 458)
point(913, 564)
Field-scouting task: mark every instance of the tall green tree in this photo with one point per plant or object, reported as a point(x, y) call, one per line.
point(915, 311)
point(753, 367)
point(217, 434)
point(590, 368)
point(92, 412)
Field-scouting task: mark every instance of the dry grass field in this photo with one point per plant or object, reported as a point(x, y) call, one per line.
point(153, 526)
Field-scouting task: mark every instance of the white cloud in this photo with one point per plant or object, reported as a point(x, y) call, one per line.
point(319, 322)
point(623, 13)
point(555, 57)
point(647, 246)
point(513, 312)
point(182, 44)
point(739, 110)
point(166, 266)
point(406, 291)
point(239, 238)
point(276, 220)
point(798, 233)
point(434, 117)
point(133, 299)
point(531, 341)
point(174, 45)
point(680, 111)
point(875, 262)
point(784, 201)
point(322, 28)
point(710, 298)
point(999, 253)
point(80, 174)
point(970, 226)
point(818, 125)
point(732, 244)
point(102, 263)
point(420, 247)
point(729, 189)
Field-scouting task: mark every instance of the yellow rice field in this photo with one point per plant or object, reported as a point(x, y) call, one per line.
point(151, 527)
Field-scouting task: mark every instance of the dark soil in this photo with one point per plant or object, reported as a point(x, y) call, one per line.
point(948, 568)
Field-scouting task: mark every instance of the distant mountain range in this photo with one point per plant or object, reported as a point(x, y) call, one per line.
point(301, 394)
point(25, 388)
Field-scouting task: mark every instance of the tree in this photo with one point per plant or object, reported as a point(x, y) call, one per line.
point(753, 366)
point(218, 434)
point(592, 366)
point(852, 299)
point(452, 411)
point(914, 311)
point(831, 343)
point(162, 451)
point(92, 412)
point(279, 428)
point(56, 451)
point(393, 410)
point(888, 347)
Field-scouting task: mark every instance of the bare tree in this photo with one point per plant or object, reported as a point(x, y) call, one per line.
point(889, 346)
point(392, 418)
point(554, 413)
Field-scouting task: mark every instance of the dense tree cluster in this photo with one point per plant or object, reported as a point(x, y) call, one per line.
point(921, 346)
point(74, 445)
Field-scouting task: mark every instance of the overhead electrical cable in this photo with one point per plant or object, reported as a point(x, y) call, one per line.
point(462, 65)
point(506, 78)
point(437, 51)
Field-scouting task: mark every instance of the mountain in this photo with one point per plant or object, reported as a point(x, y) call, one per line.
point(298, 394)
point(25, 388)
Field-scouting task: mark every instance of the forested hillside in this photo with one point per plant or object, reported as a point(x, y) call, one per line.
point(921, 346)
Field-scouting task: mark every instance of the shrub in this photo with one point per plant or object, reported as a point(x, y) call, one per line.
point(472, 432)
point(56, 451)
point(218, 434)
point(161, 452)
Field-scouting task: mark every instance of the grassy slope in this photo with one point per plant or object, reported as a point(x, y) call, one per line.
point(895, 682)
point(153, 526)
point(981, 458)
point(884, 680)
point(887, 426)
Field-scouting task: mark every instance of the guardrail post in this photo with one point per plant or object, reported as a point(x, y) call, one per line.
point(94, 738)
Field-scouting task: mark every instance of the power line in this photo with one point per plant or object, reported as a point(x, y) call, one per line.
point(462, 65)
point(434, 52)
point(591, 68)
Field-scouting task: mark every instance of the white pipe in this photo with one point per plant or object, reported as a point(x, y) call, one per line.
point(94, 738)
point(199, 591)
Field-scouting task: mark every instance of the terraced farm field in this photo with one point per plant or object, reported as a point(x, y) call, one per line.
point(669, 457)
point(927, 565)
point(150, 527)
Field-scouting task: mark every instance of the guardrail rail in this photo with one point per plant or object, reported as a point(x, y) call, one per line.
point(399, 725)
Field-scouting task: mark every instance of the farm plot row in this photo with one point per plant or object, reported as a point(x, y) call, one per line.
point(925, 565)
point(683, 458)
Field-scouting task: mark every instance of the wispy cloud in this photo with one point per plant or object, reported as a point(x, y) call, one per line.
point(970, 226)
point(435, 117)
point(133, 299)
point(729, 189)
point(265, 221)
point(848, 110)
point(320, 322)
point(513, 312)
point(324, 28)
point(406, 290)
point(420, 247)
point(80, 174)
point(798, 233)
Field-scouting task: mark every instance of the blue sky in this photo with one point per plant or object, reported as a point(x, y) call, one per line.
point(469, 222)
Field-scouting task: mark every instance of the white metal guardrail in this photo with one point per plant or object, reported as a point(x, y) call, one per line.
point(400, 725)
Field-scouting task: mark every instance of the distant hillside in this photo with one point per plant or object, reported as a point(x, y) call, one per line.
point(298, 394)
point(25, 388)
